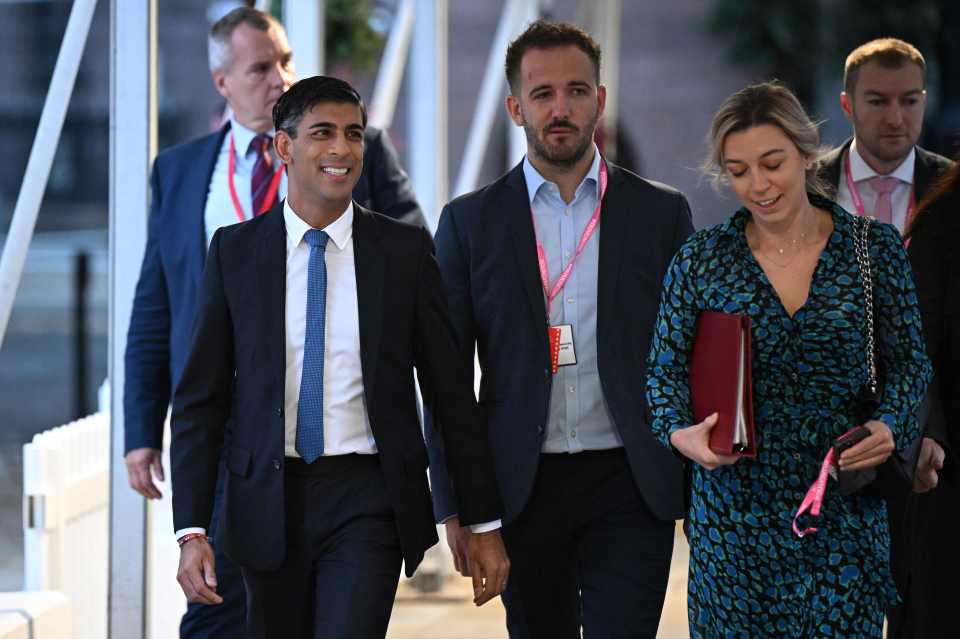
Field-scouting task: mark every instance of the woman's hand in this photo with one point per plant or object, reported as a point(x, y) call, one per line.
point(693, 443)
point(871, 451)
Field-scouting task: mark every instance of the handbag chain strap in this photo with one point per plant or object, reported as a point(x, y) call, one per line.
point(863, 261)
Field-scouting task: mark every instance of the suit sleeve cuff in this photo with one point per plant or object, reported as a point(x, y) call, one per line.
point(486, 526)
point(186, 531)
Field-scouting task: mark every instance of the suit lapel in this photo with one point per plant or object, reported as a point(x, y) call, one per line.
point(370, 268)
point(923, 174)
point(519, 224)
point(271, 261)
point(199, 187)
point(613, 230)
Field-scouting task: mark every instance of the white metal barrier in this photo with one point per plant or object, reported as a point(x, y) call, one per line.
point(34, 615)
point(65, 492)
point(66, 526)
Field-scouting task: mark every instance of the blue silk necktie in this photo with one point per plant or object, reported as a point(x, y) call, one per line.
point(310, 407)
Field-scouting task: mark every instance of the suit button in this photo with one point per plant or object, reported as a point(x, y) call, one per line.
point(276, 464)
point(546, 373)
point(797, 456)
point(795, 377)
point(280, 411)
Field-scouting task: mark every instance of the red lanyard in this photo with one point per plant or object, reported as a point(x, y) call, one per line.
point(271, 188)
point(551, 293)
point(858, 201)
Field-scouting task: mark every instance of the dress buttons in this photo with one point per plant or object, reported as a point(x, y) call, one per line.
point(573, 434)
point(280, 411)
point(794, 376)
point(796, 456)
point(276, 464)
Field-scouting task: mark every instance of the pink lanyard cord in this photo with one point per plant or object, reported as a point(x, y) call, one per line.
point(551, 293)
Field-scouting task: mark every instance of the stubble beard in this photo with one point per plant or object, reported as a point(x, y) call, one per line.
point(559, 156)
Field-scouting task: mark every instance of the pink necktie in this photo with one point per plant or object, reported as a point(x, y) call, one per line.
point(883, 186)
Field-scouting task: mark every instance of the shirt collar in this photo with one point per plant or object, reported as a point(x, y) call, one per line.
point(535, 180)
point(242, 137)
point(860, 170)
point(340, 230)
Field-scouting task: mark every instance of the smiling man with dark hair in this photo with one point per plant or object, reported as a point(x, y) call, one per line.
point(312, 318)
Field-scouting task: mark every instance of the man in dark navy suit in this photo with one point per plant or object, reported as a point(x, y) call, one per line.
point(553, 273)
point(197, 187)
point(310, 322)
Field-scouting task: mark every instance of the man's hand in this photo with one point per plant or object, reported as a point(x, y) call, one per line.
point(140, 461)
point(871, 451)
point(929, 465)
point(196, 574)
point(489, 565)
point(458, 539)
point(693, 443)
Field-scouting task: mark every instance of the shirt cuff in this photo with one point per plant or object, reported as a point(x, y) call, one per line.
point(186, 531)
point(486, 526)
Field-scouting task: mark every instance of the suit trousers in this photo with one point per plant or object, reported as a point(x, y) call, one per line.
point(586, 552)
point(341, 568)
point(226, 620)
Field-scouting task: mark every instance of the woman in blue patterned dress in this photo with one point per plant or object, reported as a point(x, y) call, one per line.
point(787, 260)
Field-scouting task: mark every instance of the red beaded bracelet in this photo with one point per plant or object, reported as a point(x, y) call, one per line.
point(190, 537)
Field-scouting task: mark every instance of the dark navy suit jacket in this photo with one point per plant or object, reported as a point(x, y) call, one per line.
point(234, 374)
point(166, 295)
point(488, 260)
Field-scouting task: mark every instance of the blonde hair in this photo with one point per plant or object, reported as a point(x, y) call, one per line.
point(890, 53)
point(765, 103)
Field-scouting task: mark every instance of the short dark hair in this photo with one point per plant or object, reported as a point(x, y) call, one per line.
point(218, 41)
point(305, 94)
point(544, 34)
point(889, 53)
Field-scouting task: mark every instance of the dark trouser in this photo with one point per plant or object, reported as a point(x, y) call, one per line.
point(586, 552)
point(226, 620)
point(342, 563)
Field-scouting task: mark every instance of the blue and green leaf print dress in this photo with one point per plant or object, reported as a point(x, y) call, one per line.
point(750, 576)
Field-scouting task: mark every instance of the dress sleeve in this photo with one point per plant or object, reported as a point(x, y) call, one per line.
point(668, 368)
point(904, 370)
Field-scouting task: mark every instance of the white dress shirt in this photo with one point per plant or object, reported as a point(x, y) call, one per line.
point(346, 424)
point(861, 172)
point(219, 210)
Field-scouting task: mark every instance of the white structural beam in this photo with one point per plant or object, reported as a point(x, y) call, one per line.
point(515, 17)
point(428, 107)
point(528, 11)
point(390, 74)
point(605, 24)
point(45, 145)
point(305, 23)
point(133, 142)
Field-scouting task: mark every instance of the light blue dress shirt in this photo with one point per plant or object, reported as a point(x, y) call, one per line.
point(579, 418)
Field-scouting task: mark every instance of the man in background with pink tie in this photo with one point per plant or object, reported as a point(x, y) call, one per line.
point(882, 172)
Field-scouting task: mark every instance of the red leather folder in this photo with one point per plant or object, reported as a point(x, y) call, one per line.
point(720, 381)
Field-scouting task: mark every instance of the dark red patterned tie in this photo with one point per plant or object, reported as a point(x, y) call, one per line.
point(262, 173)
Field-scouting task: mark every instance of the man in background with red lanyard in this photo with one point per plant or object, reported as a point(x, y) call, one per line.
point(197, 187)
point(882, 172)
point(553, 273)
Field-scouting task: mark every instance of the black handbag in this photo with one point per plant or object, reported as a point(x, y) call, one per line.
point(895, 475)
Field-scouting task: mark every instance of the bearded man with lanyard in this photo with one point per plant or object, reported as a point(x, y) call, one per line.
point(553, 273)
point(217, 180)
point(883, 173)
